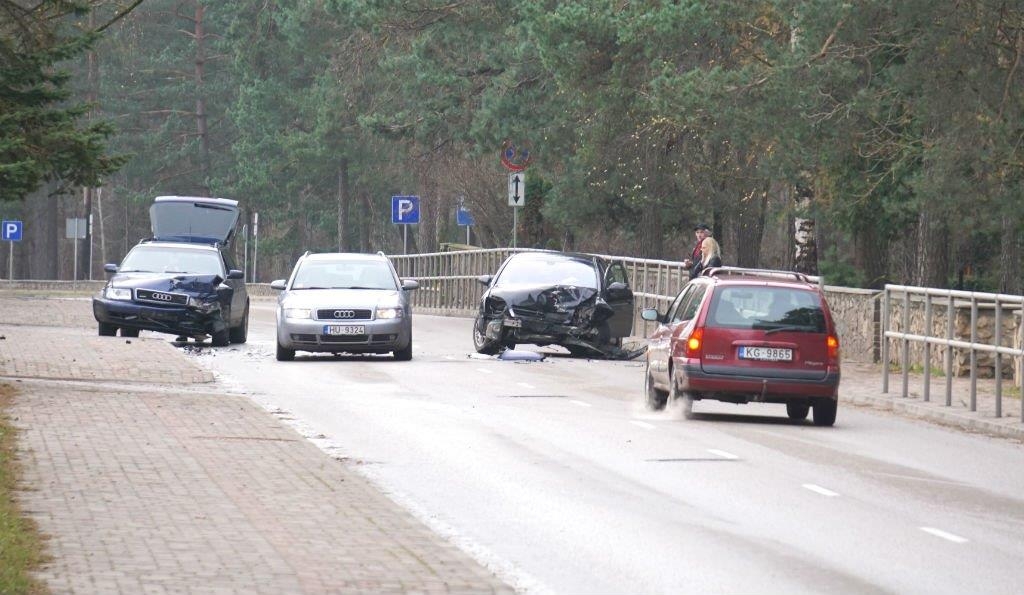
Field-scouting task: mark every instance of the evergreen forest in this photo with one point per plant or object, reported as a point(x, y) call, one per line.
point(873, 142)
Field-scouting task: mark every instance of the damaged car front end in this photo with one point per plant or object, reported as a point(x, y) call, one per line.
point(184, 305)
point(579, 302)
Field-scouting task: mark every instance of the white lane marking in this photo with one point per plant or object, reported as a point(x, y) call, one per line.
point(723, 454)
point(580, 403)
point(526, 385)
point(483, 371)
point(643, 424)
point(944, 535)
point(820, 490)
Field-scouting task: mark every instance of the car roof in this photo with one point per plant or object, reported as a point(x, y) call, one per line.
point(555, 255)
point(343, 256)
point(746, 276)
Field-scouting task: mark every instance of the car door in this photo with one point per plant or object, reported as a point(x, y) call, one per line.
point(239, 294)
point(659, 344)
point(620, 297)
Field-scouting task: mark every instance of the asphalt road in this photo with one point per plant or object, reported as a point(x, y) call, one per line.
point(553, 474)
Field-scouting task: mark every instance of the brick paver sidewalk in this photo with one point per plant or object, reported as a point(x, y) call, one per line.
point(143, 488)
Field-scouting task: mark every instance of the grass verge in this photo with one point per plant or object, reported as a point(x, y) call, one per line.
point(21, 549)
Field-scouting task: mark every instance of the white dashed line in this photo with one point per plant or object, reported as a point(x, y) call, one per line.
point(820, 490)
point(483, 371)
point(944, 535)
point(723, 454)
point(643, 424)
point(580, 403)
point(526, 385)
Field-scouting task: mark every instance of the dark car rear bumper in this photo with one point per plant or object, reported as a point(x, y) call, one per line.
point(739, 387)
point(171, 319)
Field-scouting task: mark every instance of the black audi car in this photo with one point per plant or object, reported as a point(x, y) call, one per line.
point(578, 301)
point(182, 281)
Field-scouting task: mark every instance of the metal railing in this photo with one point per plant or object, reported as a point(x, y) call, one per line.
point(950, 302)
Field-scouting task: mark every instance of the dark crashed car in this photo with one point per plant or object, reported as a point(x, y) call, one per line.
point(578, 301)
point(183, 280)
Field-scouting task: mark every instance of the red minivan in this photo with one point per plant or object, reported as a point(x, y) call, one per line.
point(742, 335)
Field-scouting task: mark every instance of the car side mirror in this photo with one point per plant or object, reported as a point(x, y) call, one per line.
point(409, 284)
point(484, 279)
point(110, 267)
point(650, 314)
point(236, 274)
point(278, 284)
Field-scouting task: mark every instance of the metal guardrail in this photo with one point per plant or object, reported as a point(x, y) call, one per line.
point(946, 299)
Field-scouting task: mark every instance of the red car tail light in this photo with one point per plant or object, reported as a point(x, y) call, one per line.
point(695, 342)
point(832, 342)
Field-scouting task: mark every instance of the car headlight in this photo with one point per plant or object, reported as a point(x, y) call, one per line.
point(389, 313)
point(297, 313)
point(117, 293)
point(203, 306)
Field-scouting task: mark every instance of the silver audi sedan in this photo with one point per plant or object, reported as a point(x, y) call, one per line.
point(344, 303)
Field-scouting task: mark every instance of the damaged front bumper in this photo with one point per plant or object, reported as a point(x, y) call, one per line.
point(198, 320)
point(510, 328)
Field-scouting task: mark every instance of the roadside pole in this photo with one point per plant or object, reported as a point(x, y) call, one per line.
point(255, 242)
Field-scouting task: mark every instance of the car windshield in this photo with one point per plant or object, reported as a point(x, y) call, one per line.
point(536, 271)
point(162, 259)
point(347, 274)
point(772, 309)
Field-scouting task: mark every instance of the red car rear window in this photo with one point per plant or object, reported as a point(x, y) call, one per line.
point(767, 308)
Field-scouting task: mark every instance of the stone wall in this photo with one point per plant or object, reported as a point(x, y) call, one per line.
point(856, 316)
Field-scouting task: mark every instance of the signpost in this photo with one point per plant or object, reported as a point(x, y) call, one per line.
point(11, 231)
point(516, 198)
point(515, 159)
point(405, 211)
point(464, 217)
point(74, 230)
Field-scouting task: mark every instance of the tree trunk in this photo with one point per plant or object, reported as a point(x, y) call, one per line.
point(1010, 247)
point(750, 231)
point(932, 251)
point(201, 124)
point(343, 200)
point(805, 258)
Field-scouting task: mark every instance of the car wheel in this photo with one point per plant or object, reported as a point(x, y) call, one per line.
point(404, 354)
point(240, 333)
point(480, 341)
point(285, 355)
point(107, 330)
point(797, 409)
point(129, 332)
point(685, 398)
point(656, 398)
point(220, 338)
point(825, 412)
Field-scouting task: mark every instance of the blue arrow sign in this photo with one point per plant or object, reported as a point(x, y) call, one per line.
point(11, 230)
point(405, 210)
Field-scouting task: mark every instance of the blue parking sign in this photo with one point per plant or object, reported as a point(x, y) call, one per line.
point(405, 209)
point(11, 230)
point(464, 217)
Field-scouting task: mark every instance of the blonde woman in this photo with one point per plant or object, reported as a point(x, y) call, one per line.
point(711, 256)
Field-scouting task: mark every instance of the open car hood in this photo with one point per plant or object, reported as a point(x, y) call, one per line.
point(193, 219)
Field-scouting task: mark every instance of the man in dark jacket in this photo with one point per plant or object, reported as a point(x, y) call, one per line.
point(702, 231)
